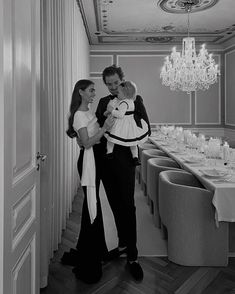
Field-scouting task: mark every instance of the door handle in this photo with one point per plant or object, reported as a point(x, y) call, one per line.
point(41, 157)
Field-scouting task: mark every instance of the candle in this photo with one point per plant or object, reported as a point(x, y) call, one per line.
point(225, 152)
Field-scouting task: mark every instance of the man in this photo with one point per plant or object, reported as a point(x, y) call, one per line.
point(118, 176)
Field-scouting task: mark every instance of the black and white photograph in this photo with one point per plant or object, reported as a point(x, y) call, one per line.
point(117, 150)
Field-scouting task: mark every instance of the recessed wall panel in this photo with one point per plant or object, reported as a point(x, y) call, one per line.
point(208, 103)
point(162, 104)
point(23, 86)
point(23, 215)
point(24, 272)
point(230, 88)
point(99, 62)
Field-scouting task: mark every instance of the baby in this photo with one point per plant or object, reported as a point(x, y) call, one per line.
point(125, 131)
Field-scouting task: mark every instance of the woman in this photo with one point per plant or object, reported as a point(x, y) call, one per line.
point(91, 246)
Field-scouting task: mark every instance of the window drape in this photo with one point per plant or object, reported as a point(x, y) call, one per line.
point(64, 60)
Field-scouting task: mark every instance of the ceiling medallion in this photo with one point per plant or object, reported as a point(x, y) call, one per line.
point(178, 6)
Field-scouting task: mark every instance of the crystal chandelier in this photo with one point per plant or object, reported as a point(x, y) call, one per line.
point(188, 71)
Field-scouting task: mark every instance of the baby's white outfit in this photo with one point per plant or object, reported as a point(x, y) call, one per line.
point(125, 131)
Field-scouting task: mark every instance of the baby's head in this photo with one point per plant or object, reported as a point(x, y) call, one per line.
point(127, 90)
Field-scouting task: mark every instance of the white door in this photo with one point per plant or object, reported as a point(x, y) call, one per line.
point(20, 97)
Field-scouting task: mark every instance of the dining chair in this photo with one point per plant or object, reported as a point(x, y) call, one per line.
point(145, 146)
point(154, 167)
point(188, 215)
point(145, 155)
point(141, 147)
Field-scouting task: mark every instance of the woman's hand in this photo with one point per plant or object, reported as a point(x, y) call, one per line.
point(110, 108)
point(79, 142)
point(106, 113)
point(109, 122)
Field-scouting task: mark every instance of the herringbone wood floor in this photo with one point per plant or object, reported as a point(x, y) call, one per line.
point(160, 275)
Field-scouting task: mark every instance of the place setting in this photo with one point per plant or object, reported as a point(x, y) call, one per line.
point(178, 152)
point(164, 143)
point(193, 159)
point(177, 149)
point(218, 175)
point(159, 139)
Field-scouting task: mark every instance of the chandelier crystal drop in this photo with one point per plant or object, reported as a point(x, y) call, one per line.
point(188, 71)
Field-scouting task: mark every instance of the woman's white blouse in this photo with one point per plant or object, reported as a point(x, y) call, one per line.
point(86, 119)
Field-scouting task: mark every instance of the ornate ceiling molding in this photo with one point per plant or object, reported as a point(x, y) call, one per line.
point(156, 21)
point(178, 6)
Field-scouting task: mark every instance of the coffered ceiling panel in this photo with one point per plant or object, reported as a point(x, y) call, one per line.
point(157, 21)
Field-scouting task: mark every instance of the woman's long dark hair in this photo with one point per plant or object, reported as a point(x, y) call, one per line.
point(75, 103)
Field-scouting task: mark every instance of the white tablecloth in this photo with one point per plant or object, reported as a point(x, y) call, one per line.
point(224, 192)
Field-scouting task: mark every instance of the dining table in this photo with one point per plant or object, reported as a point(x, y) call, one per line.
point(212, 173)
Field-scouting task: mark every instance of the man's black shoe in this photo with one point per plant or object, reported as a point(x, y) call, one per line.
point(135, 270)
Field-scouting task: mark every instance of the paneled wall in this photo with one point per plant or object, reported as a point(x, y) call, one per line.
point(229, 107)
point(64, 60)
point(230, 88)
point(200, 109)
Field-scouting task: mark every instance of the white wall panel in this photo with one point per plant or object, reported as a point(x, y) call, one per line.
point(23, 215)
point(99, 62)
point(208, 103)
point(23, 89)
point(230, 88)
point(163, 105)
point(22, 274)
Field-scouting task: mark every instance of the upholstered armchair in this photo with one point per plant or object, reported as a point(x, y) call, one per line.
point(188, 215)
